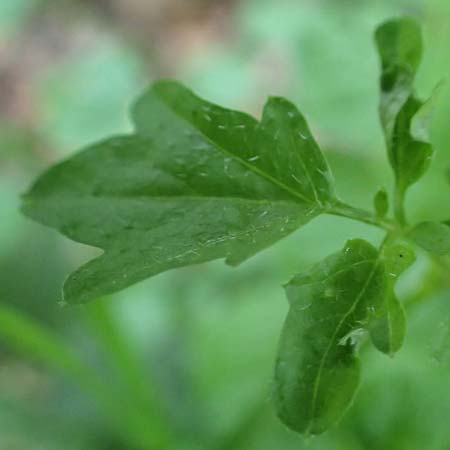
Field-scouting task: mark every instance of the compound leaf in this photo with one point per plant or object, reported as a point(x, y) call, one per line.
point(181, 190)
point(404, 117)
point(317, 370)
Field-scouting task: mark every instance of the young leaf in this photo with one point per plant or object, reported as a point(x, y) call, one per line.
point(388, 329)
point(317, 370)
point(432, 236)
point(183, 191)
point(381, 203)
point(397, 258)
point(403, 116)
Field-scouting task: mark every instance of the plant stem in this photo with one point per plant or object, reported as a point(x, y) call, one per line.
point(399, 205)
point(350, 212)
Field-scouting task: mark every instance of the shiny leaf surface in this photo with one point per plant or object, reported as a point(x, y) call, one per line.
point(279, 149)
point(196, 183)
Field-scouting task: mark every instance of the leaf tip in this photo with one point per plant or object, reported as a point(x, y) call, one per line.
point(400, 44)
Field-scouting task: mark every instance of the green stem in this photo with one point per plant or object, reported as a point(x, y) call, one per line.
point(389, 238)
point(350, 212)
point(399, 206)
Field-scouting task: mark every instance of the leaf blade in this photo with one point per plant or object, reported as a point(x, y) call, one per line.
point(433, 237)
point(403, 116)
point(317, 371)
point(121, 195)
point(388, 328)
point(243, 138)
point(388, 331)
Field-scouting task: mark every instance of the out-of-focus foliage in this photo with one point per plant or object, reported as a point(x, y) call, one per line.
point(13, 14)
point(192, 351)
point(86, 100)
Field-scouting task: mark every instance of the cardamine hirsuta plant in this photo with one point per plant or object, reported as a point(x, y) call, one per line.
point(197, 182)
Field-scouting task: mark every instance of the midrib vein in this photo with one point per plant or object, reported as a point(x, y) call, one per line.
point(306, 171)
point(333, 338)
point(174, 198)
point(251, 167)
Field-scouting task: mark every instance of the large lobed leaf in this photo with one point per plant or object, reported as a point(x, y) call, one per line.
point(404, 117)
point(195, 183)
point(317, 370)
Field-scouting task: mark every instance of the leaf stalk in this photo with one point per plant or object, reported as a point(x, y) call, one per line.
point(341, 209)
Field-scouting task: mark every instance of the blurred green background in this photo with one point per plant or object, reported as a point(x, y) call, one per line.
point(184, 360)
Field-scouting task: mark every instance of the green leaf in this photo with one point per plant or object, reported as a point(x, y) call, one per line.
point(381, 203)
point(404, 117)
point(317, 370)
point(432, 236)
point(279, 149)
point(388, 329)
point(398, 258)
point(197, 183)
